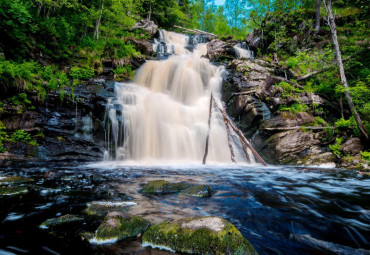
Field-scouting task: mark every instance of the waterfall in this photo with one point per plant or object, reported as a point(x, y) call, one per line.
point(163, 115)
point(242, 50)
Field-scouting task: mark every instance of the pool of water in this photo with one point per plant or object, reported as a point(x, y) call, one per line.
point(280, 210)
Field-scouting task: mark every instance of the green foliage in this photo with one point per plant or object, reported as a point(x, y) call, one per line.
point(20, 99)
point(82, 73)
point(124, 71)
point(21, 136)
point(342, 123)
point(3, 136)
point(294, 108)
point(288, 89)
point(335, 148)
point(366, 156)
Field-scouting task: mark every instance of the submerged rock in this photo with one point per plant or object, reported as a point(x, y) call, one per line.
point(14, 180)
point(200, 235)
point(117, 226)
point(65, 219)
point(11, 191)
point(101, 208)
point(198, 191)
point(163, 187)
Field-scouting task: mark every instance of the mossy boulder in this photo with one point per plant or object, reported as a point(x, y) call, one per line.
point(118, 226)
point(163, 187)
point(65, 219)
point(198, 191)
point(12, 191)
point(9, 180)
point(200, 235)
point(101, 208)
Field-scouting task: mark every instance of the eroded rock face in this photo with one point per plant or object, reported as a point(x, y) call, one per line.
point(254, 39)
point(148, 25)
point(201, 235)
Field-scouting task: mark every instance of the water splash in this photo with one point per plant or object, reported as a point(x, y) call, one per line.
point(242, 50)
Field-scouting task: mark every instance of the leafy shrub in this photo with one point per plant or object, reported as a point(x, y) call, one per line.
point(366, 155)
point(294, 108)
point(288, 90)
point(21, 136)
point(81, 73)
point(3, 136)
point(20, 99)
point(125, 71)
point(342, 123)
point(335, 148)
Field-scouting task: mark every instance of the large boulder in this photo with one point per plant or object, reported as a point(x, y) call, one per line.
point(200, 235)
point(147, 25)
point(118, 226)
point(142, 45)
point(62, 220)
point(216, 49)
point(352, 146)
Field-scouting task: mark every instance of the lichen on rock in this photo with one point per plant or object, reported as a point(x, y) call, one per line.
point(200, 235)
point(65, 219)
point(163, 187)
point(11, 191)
point(14, 180)
point(198, 191)
point(118, 226)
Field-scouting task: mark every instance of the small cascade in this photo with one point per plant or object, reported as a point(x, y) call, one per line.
point(163, 115)
point(242, 50)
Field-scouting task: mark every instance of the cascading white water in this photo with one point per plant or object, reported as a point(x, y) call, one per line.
point(163, 115)
point(243, 51)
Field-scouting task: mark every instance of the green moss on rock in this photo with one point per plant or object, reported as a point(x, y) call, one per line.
point(163, 187)
point(201, 235)
point(65, 219)
point(117, 226)
point(198, 191)
point(14, 180)
point(12, 191)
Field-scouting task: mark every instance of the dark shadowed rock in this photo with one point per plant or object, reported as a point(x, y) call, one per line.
point(65, 219)
point(217, 48)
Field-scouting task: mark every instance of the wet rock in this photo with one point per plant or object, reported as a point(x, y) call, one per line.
point(216, 49)
point(163, 187)
point(147, 25)
point(197, 191)
point(117, 226)
point(352, 146)
point(12, 191)
point(101, 208)
point(289, 120)
point(201, 235)
point(143, 45)
point(14, 180)
point(65, 219)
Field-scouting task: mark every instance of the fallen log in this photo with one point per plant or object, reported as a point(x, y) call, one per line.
point(209, 130)
point(297, 127)
point(197, 31)
point(240, 134)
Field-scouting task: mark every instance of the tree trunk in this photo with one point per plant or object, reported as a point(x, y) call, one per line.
point(333, 29)
point(96, 32)
point(209, 130)
point(150, 10)
point(317, 14)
